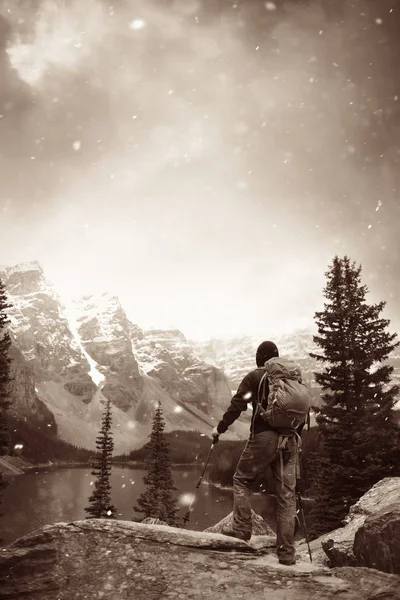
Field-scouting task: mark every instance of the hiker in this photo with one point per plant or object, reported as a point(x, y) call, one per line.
point(262, 450)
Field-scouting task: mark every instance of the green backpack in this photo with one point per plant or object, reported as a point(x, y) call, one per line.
point(288, 403)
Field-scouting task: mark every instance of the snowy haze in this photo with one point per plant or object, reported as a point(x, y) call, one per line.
point(202, 160)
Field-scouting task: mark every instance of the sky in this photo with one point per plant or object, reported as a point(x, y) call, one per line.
point(204, 160)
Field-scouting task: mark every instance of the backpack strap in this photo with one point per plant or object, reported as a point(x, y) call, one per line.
point(261, 387)
point(260, 395)
point(282, 441)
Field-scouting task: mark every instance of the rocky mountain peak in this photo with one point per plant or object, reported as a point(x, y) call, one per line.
point(25, 278)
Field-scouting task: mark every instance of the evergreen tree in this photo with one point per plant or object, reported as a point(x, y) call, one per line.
point(359, 435)
point(5, 378)
point(100, 506)
point(157, 500)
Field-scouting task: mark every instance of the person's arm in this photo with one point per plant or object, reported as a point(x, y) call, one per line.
point(238, 404)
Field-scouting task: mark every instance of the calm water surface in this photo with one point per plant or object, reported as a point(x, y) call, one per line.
point(60, 495)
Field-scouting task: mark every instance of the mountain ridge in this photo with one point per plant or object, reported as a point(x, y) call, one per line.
point(75, 364)
point(68, 360)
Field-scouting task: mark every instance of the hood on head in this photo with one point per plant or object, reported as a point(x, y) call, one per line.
point(265, 351)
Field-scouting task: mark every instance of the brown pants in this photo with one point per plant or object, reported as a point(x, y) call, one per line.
point(260, 452)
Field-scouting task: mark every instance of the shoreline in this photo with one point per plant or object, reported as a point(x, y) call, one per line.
point(29, 467)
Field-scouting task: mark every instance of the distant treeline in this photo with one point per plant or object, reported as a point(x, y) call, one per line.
point(188, 447)
point(40, 445)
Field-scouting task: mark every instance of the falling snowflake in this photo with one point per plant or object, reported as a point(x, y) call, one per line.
point(177, 409)
point(186, 499)
point(378, 21)
point(270, 5)
point(379, 205)
point(76, 145)
point(109, 513)
point(137, 24)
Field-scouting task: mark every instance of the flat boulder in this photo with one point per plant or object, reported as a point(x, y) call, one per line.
point(377, 541)
point(121, 560)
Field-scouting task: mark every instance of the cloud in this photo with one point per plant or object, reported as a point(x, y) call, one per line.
point(196, 135)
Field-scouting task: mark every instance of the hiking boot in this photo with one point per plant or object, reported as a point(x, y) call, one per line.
point(236, 534)
point(287, 561)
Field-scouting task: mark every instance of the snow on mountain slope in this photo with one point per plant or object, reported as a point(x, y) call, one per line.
point(75, 363)
point(40, 330)
point(169, 358)
point(67, 362)
point(236, 356)
point(104, 331)
point(133, 360)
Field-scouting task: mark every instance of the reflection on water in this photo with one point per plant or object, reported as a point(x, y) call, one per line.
point(61, 495)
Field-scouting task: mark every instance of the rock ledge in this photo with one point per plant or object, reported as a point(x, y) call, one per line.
point(123, 560)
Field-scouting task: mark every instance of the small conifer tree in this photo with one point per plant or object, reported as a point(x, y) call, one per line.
point(359, 435)
point(5, 378)
point(100, 506)
point(157, 500)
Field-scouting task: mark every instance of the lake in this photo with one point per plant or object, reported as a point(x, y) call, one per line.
point(41, 497)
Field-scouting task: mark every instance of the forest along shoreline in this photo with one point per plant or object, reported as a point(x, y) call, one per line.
point(187, 450)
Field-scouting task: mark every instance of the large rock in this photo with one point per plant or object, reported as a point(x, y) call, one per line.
point(121, 560)
point(377, 542)
point(259, 526)
point(336, 547)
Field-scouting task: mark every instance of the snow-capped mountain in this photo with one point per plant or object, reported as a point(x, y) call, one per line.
point(168, 357)
point(236, 356)
point(66, 362)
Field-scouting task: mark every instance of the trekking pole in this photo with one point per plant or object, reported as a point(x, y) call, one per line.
point(304, 523)
point(186, 517)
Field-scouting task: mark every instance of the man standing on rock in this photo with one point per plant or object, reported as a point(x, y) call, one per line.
point(262, 450)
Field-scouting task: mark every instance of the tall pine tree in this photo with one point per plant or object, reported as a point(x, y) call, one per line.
point(5, 378)
point(100, 506)
point(360, 439)
point(157, 500)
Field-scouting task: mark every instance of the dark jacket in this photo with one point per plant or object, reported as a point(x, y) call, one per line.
point(246, 393)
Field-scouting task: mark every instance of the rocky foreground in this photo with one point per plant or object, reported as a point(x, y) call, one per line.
point(121, 560)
